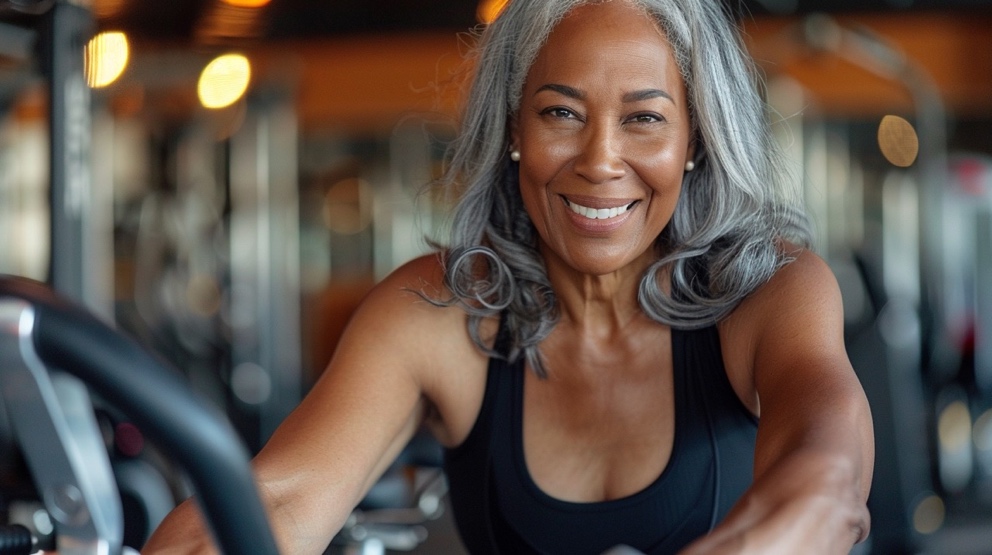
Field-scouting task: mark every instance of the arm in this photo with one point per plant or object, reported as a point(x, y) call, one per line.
point(363, 410)
point(815, 448)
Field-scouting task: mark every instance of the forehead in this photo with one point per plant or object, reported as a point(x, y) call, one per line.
point(614, 39)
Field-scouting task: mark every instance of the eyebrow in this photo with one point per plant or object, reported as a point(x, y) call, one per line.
point(636, 96)
point(570, 92)
point(633, 96)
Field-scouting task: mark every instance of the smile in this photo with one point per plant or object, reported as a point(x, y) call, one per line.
point(598, 213)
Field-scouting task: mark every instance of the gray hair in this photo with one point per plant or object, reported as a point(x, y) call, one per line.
point(720, 244)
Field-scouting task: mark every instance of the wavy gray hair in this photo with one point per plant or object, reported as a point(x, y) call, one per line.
point(721, 242)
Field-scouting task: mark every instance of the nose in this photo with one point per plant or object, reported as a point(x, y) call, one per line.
point(599, 159)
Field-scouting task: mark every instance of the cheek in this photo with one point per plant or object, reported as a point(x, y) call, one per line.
point(537, 169)
point(662, 151)
point(534, 197)
point(662, 172)
point(661, 169)
point(544, 149)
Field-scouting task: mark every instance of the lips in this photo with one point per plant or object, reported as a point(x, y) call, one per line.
point(599, 209)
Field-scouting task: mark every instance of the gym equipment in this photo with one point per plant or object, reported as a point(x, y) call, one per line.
point(46, 342)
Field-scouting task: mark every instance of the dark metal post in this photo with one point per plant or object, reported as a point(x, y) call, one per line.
point(65, 32)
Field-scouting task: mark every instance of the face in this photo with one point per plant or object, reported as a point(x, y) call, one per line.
point(603, 132)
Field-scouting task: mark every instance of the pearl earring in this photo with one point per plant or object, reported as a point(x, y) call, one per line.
point(515, 155)
point(690, 165)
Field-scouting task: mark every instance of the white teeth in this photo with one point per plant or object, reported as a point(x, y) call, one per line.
point(598, 213)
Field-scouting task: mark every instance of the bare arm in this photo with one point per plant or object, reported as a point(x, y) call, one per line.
point(815, 448)
point(361, 413)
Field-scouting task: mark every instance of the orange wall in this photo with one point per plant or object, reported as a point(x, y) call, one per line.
point(369, 83)
point(954, 49)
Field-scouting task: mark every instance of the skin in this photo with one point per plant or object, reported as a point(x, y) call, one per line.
point(603, 123)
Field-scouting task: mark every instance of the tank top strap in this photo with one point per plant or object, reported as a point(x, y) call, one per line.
point(731, 429)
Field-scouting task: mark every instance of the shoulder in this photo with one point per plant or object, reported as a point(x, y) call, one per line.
point(794, 320)
point(421, 276)
point(405, 322)
point(407, 307)
point(803, 289)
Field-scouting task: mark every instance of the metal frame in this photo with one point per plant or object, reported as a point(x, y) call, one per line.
point(53, 409)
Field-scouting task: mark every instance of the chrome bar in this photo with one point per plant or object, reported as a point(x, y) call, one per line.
point(54, 424)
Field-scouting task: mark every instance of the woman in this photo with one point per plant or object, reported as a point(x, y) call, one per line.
point(626, 328)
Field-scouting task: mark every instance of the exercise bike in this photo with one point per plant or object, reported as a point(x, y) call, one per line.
point(52, 355)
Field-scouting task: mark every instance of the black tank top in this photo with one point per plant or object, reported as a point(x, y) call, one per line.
point(498, 508)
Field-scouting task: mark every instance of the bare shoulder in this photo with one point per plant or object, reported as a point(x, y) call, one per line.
point(802, 288)
point(405, 318)
point(796, 315)
point(409, 303)
point(405, 314)
point(414, 281)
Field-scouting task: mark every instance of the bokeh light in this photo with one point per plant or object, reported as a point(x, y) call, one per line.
point(954, 426)
point(928, 517)
point(247, 3)
point(224, 81)
point(105, 58)
point(489, 10)
point(898, 141)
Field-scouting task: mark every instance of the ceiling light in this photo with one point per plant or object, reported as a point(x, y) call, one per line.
point(489, 10)
point(246, 3)
point(224, 81)
point(105, 58)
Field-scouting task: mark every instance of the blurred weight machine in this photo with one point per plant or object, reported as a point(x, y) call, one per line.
point(48, 204)
point(187, 234)
point(68, 217)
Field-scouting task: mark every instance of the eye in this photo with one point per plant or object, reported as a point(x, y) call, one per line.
point(559, 112)
point(645, 118)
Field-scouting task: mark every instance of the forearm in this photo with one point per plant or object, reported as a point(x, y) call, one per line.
point(810, 489)
point(808, 502)
point(812, 472)
point(185, 530)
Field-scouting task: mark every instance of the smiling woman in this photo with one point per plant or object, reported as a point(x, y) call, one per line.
point(626, 340)
point(604, 127)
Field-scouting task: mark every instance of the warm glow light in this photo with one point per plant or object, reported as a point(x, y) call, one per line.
point(928, 517)
point(954, 426)
point(246, 3)
point(224, 81)
point(898, 141)
point(105, 58)
point(489, 10)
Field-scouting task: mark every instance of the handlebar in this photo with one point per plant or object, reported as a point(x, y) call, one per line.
point(157, 398)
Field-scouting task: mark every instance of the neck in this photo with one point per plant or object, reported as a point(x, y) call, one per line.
point(600, 304)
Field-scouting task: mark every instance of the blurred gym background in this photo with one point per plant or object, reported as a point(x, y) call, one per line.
point(225, 179)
